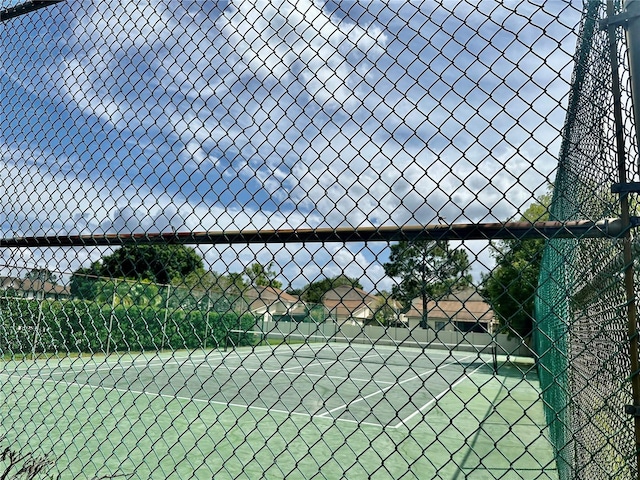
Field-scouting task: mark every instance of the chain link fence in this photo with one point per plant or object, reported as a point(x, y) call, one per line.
point(318, 239)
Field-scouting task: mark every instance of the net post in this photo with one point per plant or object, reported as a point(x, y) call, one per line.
point(494, 358)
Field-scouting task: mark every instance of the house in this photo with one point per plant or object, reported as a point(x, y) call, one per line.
point(30, 289)
point(350, 305)
point(464, 310)
point(271, 303)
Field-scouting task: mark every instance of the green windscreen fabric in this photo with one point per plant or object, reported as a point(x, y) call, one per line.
point(581, 307)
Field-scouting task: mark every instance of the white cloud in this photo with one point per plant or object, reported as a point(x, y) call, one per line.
point(281, 114)
point(319, 109)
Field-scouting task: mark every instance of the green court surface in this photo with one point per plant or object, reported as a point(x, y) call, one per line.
point(280, 412)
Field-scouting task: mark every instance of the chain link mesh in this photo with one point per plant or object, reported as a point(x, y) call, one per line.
point(583, 336)
point(269, 239)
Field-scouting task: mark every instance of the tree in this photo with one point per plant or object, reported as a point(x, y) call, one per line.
point(314, 291)
point(83, 282)
point(426, 269)
point(156, 263)
point(386, 311)
point(128, 293)
point(42, 275)
point(511, 286)
point(208, 290)
point(262, 276)
point(200, 281)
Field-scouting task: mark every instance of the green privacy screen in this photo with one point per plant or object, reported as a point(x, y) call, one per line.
point(582, 308)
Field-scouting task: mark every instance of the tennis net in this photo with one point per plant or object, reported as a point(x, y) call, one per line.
point(364, 349)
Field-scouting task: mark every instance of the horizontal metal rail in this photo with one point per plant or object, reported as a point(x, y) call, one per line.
point(611, 227)
point(24, 8)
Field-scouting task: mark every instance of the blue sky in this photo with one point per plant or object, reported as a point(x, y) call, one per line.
point(201, 115)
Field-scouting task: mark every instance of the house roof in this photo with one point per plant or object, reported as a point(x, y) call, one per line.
point(347, 293)
point(348, 301)
point(263, 296)
point(463, 305)
point(28, 285)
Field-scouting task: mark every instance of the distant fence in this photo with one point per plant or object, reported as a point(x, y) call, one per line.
point(405, 337)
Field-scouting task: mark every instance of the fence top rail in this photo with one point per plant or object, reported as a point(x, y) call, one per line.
point(610, 227)
point(24, 8)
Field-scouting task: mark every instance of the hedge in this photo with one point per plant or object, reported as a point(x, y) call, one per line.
point(83, 326)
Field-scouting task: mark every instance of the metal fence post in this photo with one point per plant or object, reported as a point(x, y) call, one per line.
point(632, 14)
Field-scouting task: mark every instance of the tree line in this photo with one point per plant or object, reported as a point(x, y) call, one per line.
point(424, 270)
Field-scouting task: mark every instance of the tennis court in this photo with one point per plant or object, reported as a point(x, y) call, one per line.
point(231, 412)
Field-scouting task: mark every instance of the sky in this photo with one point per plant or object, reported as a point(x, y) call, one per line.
point(154, 116)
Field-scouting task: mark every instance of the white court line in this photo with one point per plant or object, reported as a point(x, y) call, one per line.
point(200, 400)
point(110, 368)
point(104, 365)
point(308, 365)
point(314, 363)
point(331, 377)
point(250, 407)
point(139, 361)
point(317, 363)
point(380, 391)
point(195, 360)
point(250, 371)
point(213, 357)
point(435, 399)
point(82, 368)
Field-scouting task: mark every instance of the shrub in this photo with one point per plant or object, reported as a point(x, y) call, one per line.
point(89, 327)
